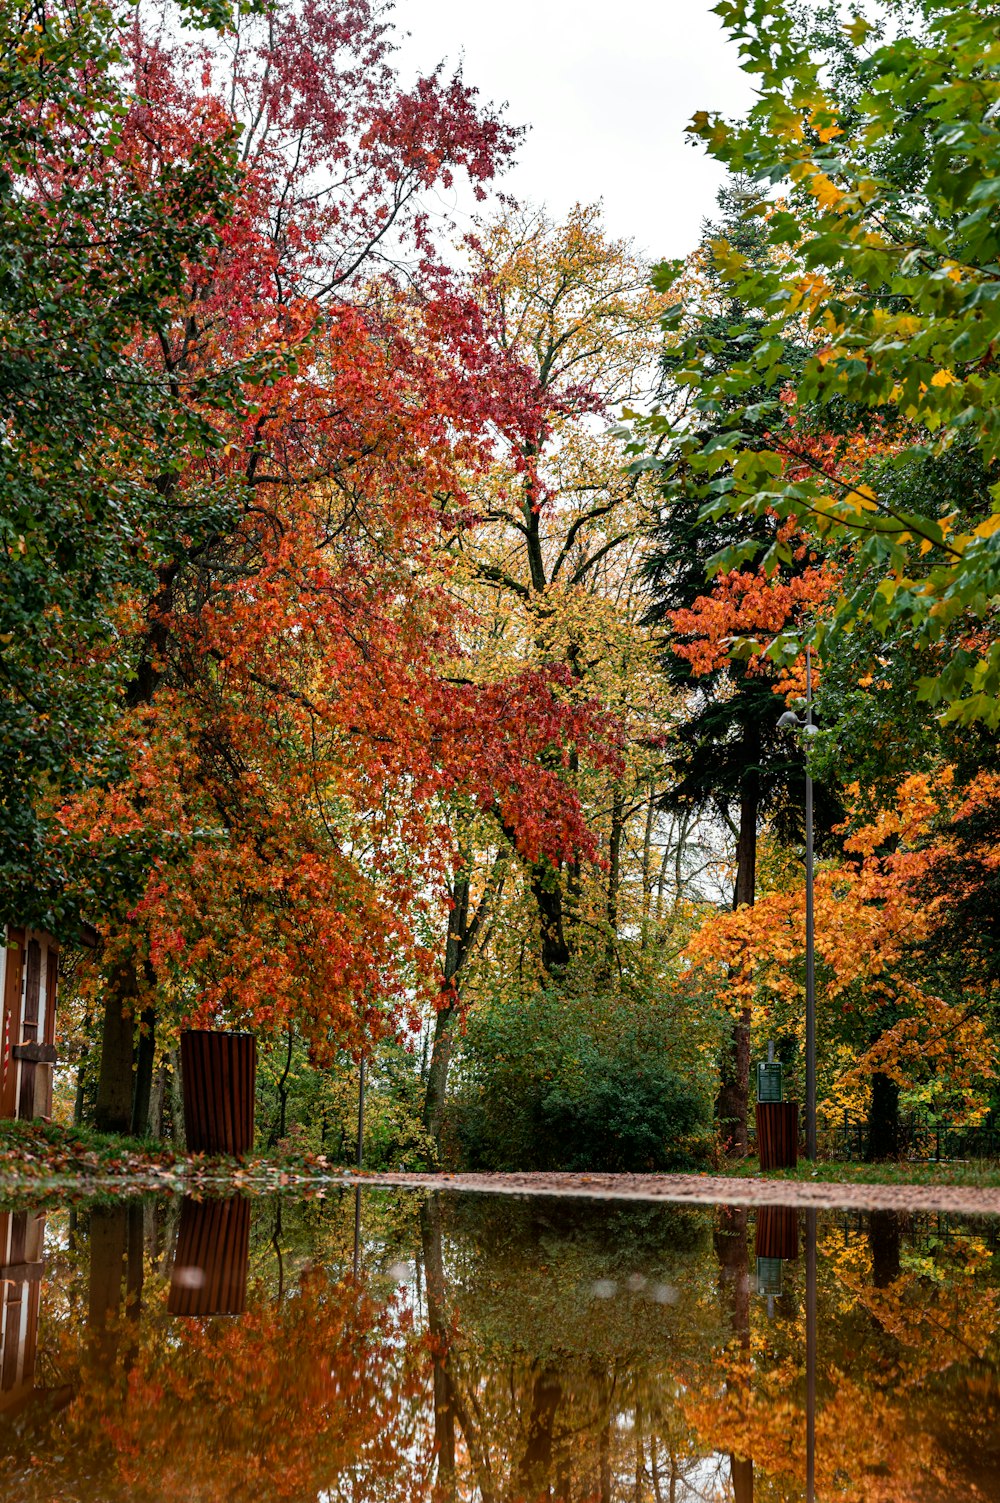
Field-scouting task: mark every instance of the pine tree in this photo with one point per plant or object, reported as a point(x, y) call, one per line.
point(728, 755)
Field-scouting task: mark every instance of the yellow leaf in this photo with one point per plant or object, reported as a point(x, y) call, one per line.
point(943, 378)
point(988, 528)
point(858, 30)
point(865, 497)
point(825, 191)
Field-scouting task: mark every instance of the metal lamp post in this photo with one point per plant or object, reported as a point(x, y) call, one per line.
point(789, 719)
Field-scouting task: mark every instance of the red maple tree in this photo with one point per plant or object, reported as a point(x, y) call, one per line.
point(298, 716)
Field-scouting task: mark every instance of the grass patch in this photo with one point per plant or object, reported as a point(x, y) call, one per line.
point(982, 1174)
point(40, 1159)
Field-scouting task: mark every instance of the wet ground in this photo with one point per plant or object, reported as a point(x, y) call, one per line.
point(710, 1189)
point(412, 1344)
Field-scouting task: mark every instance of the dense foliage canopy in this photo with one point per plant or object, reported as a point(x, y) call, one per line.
point(396, 627)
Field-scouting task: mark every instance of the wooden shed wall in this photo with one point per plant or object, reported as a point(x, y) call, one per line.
point(29, 971)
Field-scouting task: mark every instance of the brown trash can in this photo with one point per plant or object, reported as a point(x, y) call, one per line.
point(777, 1232)
point(778, 1134)
point(212, 1258)
point(218, 1078)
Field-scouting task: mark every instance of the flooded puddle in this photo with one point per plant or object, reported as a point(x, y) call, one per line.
point(386, 1346)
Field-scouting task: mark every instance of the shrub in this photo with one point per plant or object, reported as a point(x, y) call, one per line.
point(556, 1081)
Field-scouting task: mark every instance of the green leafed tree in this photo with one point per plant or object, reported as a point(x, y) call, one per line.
point(875, 151)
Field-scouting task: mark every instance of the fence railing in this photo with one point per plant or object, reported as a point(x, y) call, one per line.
point(921, 1138)
point(925, 1229)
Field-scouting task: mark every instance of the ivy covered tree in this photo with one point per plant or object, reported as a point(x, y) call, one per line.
point(95, 249)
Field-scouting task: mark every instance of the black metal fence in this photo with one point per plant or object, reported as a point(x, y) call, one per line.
point(920, 1137)
point(926, 1230)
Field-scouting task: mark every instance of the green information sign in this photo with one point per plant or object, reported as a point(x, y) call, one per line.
point(769, 1275)
point(770, 1082)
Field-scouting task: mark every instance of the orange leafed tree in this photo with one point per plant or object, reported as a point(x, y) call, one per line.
point(890, 1015)
point(268, 825)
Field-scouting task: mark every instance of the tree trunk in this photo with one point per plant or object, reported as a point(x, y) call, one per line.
point(730, 1239)
point(742, 1475)
point(734, 1290)
point(444, 1024)
point(134, 1249)
point(883, 1243)
point(647, 867)
point(156, 1102)
point(546, 886)
point(108, 1242)
point(279, 1126)
point(440, 1332)
point(732, 1104)
point(883, 1120)
point(113, 1112)
point(535, 1468)
point(615, 870)
point(145, 1054)
point(177, 1133)
point(78, 1099)
point(746, 847)
point(437, 1075)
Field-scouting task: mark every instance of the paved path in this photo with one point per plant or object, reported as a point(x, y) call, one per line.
point(708, 1189)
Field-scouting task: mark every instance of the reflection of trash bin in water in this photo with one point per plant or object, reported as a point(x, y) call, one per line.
point(777, 1240)
point(213, 1252)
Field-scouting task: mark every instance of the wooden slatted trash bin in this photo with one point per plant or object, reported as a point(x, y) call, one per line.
point(212, 1258)
point(778, 1134)
point(218, 1077)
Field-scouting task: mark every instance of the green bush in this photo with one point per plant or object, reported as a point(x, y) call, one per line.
point(555, 1081)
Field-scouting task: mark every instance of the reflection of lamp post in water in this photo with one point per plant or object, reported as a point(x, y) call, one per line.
point(811, 1356)
point(777, 1242)
point(789, 719)
point(360, 1160)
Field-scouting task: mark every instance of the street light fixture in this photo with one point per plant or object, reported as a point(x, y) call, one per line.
point(789, 721)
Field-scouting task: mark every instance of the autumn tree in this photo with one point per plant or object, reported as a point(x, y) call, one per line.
point(881, 256)
point(551, 583)
point(291, 718)
point(884, 251)
point(726, 753)
point(95, 250)
point(573, 308)
point(906, 1008)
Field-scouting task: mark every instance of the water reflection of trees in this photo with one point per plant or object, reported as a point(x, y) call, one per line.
point(319, 1391)
point(557, 1339)
point(527, 1351)
point(705, 1397)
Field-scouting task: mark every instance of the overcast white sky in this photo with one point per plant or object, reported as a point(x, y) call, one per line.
point(607, 91)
